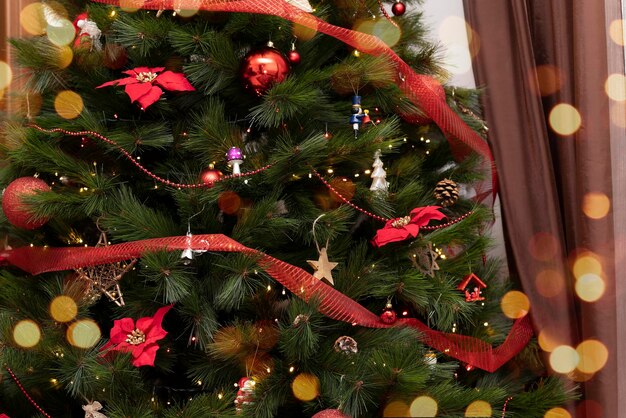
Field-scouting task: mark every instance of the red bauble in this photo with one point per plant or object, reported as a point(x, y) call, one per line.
point(398, 8)
point(388, 316)
point(263, 68)
point(17, 213)
point(331, 413)
point(210, 176)
point(294, 57)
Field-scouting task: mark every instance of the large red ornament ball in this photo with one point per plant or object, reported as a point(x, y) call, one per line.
point(263, 68)
point(398, 8)
point(210, 176)
point(331, 413)
point(17, 213)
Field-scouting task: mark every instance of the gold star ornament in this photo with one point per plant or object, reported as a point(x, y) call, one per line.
point(323, 267)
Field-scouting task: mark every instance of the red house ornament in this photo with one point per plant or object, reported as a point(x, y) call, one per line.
point(472, 285)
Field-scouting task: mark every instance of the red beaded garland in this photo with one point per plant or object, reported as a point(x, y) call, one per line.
point(31, 400)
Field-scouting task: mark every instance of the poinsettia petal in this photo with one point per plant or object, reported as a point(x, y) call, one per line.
point(121, 329)
point(151, 97)
point(119, 82)
point(147, 356)
point(156, 331)
point(144, 324)
point(412, 230)
point(421, 216)
point(136, 91)
point(174, 81)
point(386, 235)
point(124, 347)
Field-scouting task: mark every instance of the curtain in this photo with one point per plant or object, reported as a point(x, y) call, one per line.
point(556, 119)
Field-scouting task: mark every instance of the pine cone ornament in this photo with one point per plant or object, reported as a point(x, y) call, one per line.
point(447, 192)
point(346, 345)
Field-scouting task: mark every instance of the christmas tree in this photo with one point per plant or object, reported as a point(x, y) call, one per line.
point(192, 230)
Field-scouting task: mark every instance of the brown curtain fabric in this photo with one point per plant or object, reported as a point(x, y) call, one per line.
point(534, 55)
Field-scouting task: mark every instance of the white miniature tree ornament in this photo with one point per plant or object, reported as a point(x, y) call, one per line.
point(378, 175)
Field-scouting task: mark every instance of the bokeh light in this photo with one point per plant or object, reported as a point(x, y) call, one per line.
point(547, 78)
point(83, 334)
point(26, 333)
point(344, 186)
point(587, 263)
point(131, 6)
point(615, 87)
point(549, 339)
point(590, 287)
point(303, 33)
point(549, 283)
point(424, 406)
point(396, 409)
point(593, 356)
point(229, 202)
point(565, 119)
point(68, 104)
point(616, 31)
point(63, 309)
point(64, 57)
point(557, 413)
point(32, 19)
point(187, 12)
point(479, 409)
point(564, 359)
point(543, 246)
point(515, 304)
point(387, 32)
point(62, 33)
point(596, 205)
point(6, 75)
point(305, 387)
point(579, 377)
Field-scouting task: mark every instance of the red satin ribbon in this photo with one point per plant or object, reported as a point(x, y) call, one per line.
point(332, 303)
point(419, 89)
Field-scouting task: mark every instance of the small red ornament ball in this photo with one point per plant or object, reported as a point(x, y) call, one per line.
point(210, 176)
point(331, 413)
point(294, 57)
point(262, 68)
point(398, 8)
point(17, 213)
point(388, 316)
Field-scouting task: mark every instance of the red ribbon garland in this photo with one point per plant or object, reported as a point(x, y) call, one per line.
point(332, 303)
point(419, 89)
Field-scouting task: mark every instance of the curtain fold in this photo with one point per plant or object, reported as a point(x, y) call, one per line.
point(545, 65)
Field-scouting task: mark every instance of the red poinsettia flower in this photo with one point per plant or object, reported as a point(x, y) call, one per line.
point(399, 229)
point(143, 83)
point(139, 339)
point(4, 416)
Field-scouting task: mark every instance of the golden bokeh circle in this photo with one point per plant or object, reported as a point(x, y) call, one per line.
point(543, 246)
point(33, 20)
point(62, 33)
point(479, 409)
point(64, 57)
point(26, 333)
point(615, 87)
point(587, 263)
point(547, 78)
point(564, 359)
point(593, 356)
point(590, 287)
point(616, 31)
point(396, 409)
point(423, 406)
point(63, 308)
point(68, 104)
point(131, 6)
point(305, 387)
point(596, 205)
point(6, 75)
point(83, 334)
point(515, 304)
point(557, 413)
point(565, 119)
